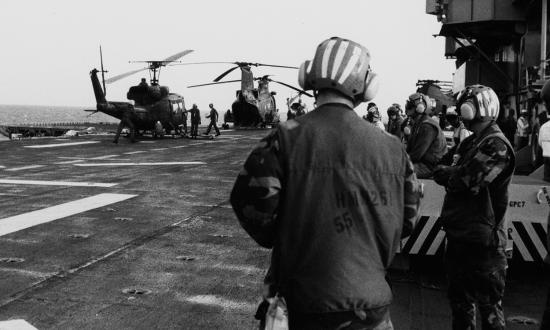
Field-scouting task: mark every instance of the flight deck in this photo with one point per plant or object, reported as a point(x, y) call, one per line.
point(97, 235)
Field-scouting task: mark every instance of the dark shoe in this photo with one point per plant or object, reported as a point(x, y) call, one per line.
point(218, 134)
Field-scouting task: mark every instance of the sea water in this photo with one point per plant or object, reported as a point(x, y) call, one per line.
point(34, 114)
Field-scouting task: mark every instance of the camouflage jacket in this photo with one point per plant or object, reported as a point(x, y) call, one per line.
point(477, 189)
point(332, 195)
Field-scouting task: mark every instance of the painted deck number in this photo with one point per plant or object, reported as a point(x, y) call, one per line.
point(516, 203)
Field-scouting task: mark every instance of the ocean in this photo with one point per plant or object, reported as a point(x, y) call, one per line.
point(33, 114)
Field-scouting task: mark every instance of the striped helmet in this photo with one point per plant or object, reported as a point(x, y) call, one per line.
point(342, 65)
point(478, 102)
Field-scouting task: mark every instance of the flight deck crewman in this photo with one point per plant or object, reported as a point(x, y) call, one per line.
point(195, 120)
point(332, 207)
point(426, 144)
point(394, 122)
point(213, 120)
point(473, 213)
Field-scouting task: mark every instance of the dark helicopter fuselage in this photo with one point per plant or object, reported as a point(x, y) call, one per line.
point(151, 104)
point(253, 106)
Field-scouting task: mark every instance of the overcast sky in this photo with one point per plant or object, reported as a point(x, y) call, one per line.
point(49, 47)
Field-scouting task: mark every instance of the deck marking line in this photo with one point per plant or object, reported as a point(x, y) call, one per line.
point(70, 162)
point(58, 183)
point(53, 145)
point(24, 168)
point(103, 157)
point(178, 147)
point(18, 324)
point(159, 149)
point(30, 219)
point(138, 164)
point(135, 152)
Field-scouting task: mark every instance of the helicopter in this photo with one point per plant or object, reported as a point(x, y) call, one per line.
point(253, 107)
point(154, 108)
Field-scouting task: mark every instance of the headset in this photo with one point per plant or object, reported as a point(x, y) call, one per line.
point(468, 110)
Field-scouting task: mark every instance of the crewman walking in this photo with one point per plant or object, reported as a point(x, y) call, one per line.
point(213, 120)
point(195, 120)
point(473, 213)
point(332, 209)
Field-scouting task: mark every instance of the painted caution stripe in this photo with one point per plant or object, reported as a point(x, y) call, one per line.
point(529, 240)
point(426, 238)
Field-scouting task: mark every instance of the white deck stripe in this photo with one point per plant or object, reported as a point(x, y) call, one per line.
point(2, 166)
point(24, 168)
point(178, 147)
point(423, 234)
point(58, 183)
point(16, 324)
point(436, 243)
point(138, 164)
point(135, 152)
point(61, 144)
point(34, 218)
point(159, 149)
point(104, 157)
point(540, 246)
point(70, 162)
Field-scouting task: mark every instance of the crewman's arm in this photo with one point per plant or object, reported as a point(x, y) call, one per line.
point(490, 160)
point(413, 193)
point(426, 135)
point(255, 196)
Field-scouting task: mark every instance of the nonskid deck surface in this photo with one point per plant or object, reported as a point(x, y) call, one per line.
point(96, 235)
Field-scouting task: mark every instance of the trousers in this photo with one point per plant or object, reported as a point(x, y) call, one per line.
point(478, 284)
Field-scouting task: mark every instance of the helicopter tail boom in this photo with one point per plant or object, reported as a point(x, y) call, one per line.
point(98, 91)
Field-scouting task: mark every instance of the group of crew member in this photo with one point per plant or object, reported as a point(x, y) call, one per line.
point(195, 115)
point(333, 211)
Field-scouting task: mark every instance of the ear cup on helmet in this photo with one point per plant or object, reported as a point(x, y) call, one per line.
point(420, 107)
point(467, 110)
point(372, 83)
point(302, 75)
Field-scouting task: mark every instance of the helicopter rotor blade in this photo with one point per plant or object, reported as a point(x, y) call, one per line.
point(193, 63)
point(177, 56)
point(226, 73)
point(123, 75)
point(273, 65)
point(152, 64)
point(292, 87)
point(215, 83)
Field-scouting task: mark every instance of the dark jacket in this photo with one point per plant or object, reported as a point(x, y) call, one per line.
point(195, 116)
point(394, 127)
point(213, 115)
point(332, 206)
point(427, 144)
point(477, 190)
